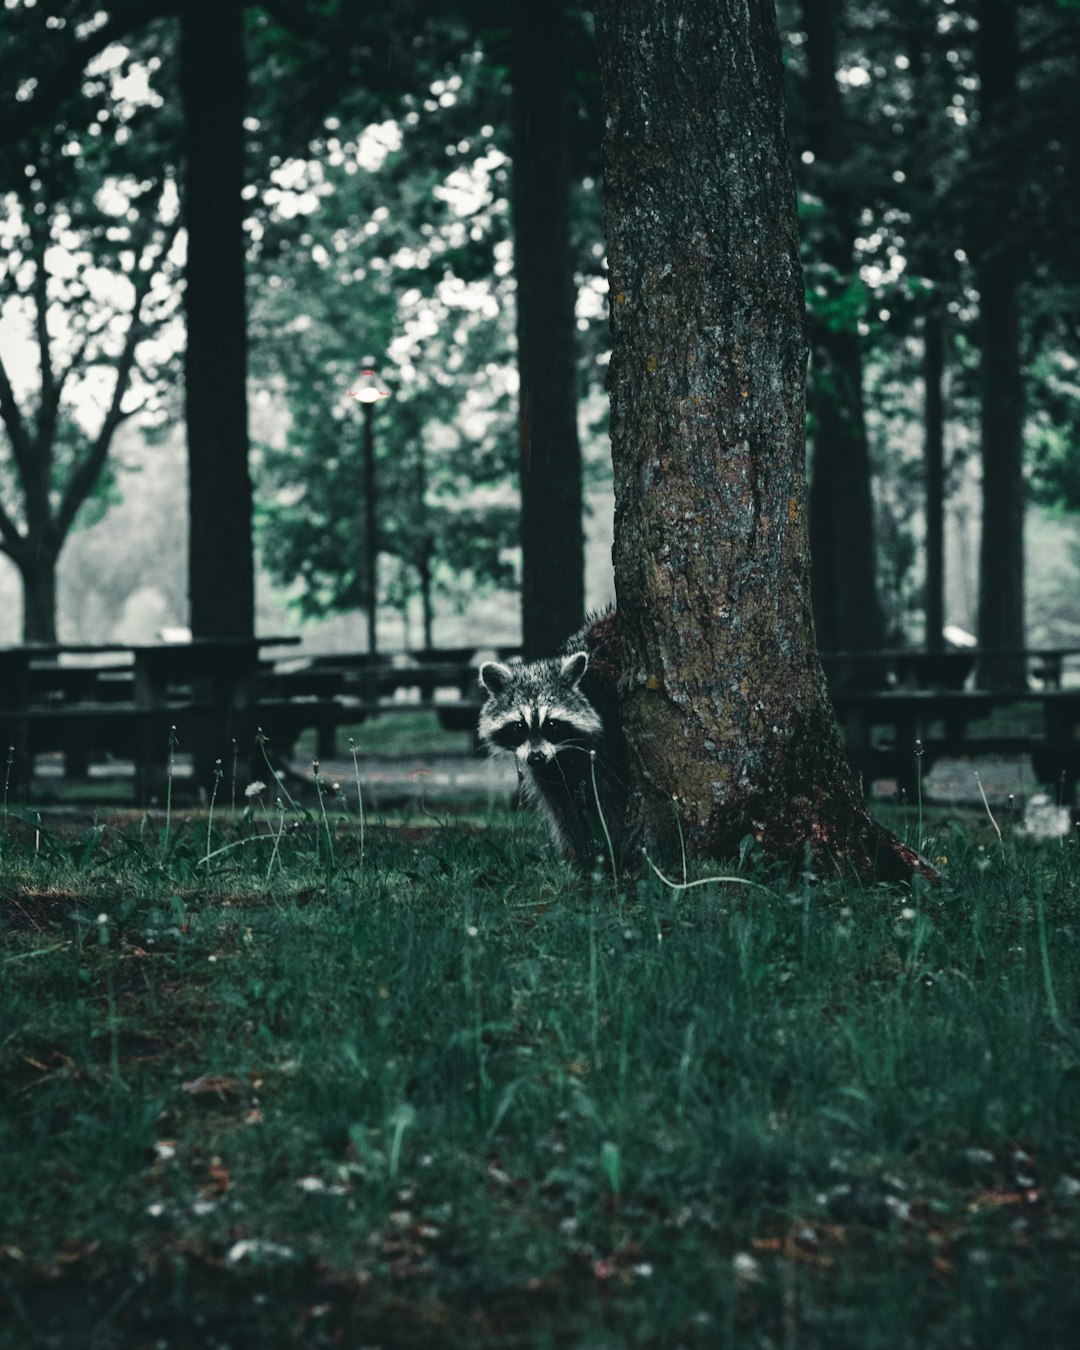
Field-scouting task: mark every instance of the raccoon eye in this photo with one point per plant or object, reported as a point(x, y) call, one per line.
point(554, 728)
point(512, 735)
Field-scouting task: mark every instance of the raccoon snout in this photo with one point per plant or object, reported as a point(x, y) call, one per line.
point(539, 756)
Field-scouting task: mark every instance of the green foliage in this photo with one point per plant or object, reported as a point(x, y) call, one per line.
point(1054, 435)
point(405, 256)
point(842, 308)
point(440, 1093)
point(390, 236)
point(87, 292)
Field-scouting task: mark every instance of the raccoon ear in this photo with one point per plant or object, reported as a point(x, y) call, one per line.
point(495, 677)
point(572, 669)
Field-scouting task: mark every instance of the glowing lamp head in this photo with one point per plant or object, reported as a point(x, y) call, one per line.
point(367, 388)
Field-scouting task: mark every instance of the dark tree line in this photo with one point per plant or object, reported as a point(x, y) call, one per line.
point(993, 184)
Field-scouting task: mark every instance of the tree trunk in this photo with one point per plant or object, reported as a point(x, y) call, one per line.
point(997, 271)
point(552, 539)
point(427, 609)
point(38, 573)
point(212, 81)
point(846, 605)
point(934, 456)
point(847, 610)
point(928, 258)
point(724, 702)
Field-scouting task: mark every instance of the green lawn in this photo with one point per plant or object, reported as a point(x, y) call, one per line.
point(445, 1094)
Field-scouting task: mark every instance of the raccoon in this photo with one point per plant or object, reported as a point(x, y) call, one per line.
point(551, 715)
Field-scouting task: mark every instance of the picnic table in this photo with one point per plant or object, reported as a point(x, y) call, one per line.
point(345, 689)
point(207, 696)
point(900, 733)
point(938, 668)
point(128, 700)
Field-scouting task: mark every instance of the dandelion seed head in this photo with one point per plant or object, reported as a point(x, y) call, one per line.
point(746, 1267)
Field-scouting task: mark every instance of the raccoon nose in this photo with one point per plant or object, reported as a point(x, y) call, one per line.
point(537, 757)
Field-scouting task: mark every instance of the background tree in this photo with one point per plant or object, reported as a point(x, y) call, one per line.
point(388, 239)
point(312, 62)
point(553, 556)
point(87, 275)
point(209, 49)
point(846, 607)
point(213, 83)
point(911, 182)
point(925, 171)
point(997, 245)
point(724, 700)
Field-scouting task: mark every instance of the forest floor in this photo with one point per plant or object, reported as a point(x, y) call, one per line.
point(282, 1077)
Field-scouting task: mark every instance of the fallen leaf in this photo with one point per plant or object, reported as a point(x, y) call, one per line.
point(213, 1085)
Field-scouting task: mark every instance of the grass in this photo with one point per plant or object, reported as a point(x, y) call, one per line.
point(417, 733)
point(446, 1094)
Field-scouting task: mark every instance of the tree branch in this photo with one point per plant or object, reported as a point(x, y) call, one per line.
point(11, 541)
point(76, 362)
point(12, 417)
point(62, 81)
point(50, 393)
point(86, 473)
point(138, 246)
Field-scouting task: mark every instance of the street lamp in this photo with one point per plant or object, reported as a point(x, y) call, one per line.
point(367, 391)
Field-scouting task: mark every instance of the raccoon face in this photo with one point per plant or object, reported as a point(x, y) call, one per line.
point(536, 711)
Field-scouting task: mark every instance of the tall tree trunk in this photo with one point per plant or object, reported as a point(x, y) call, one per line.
point(212, 81)
point(38, 573)
point(846, 604)
point(552, 538)
point(726, 711)
point(927, 259)
point(997, 271)
point(427, 609)
point(934, 457)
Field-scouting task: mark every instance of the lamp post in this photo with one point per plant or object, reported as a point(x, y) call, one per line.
point(367, 391)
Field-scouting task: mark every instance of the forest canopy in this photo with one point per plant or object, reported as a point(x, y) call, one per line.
point(936, 161)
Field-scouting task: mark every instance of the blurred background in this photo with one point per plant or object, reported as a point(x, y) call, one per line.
point(213, 222)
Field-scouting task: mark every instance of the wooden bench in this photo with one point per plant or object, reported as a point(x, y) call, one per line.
point(941, 670)
point(126, 701)
point(901, 733)
point(329, 691)
point(129, 707)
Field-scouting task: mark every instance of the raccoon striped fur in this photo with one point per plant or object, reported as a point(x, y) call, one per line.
point(551, 715)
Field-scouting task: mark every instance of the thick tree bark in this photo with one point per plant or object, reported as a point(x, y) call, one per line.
point(724, 702)
point(552, 540)
point(846, 605)
point(213, 77)
point(997, 270)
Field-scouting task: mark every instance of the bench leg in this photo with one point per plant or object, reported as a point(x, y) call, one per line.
point(326, 741)
point(77, 763)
